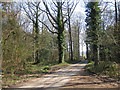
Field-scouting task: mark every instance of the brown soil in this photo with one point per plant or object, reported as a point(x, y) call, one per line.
point(56, 67)
point(86, 79)
point(31, 77)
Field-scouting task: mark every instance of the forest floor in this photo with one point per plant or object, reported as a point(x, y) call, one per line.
point(69, 77)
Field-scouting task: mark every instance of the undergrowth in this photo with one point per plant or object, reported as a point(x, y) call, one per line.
point(105, 67)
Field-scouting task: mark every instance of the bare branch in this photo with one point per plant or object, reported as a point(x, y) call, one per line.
point(12, 32)
point(46, 6)
point(51, 22)
point(71, 12)
point(54, 3)
point(48, 27)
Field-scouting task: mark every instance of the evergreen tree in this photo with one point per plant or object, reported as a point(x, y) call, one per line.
point(93, 25)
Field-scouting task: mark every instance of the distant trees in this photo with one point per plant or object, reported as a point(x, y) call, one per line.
point(70, 35)
point(77, 25)
point(76, 29)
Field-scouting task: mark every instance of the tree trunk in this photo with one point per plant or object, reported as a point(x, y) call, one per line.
point(119, 33)
point(60, 34)
point(95, 54)
point(70, 42)
point(82, 50)
point(116, 14)
point(61, 46)
point(87, 55)
point(37, 45)
point(36, 41)
point(78, 44)
point(33, 53)
point(70, 36)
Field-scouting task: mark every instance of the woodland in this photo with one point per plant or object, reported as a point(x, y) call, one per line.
point(38, 35)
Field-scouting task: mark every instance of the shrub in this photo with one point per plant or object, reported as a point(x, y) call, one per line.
point(107, 68)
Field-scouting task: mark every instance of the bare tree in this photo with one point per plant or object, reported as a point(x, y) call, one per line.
point(70, 36)
point(57, 14)
point(33, 13)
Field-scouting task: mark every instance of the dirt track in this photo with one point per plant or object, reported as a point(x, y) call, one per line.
point(56, 79)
